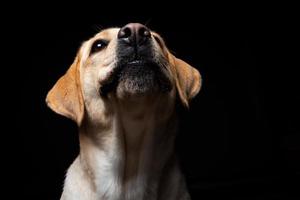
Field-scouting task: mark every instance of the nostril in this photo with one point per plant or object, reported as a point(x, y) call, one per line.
point(124, 32)
point(127, 32)
point(143, 32)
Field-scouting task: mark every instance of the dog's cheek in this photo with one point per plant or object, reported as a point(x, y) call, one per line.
point(103, 64)
point(103, 74)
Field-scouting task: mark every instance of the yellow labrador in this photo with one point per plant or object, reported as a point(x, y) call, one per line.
point(121, 90)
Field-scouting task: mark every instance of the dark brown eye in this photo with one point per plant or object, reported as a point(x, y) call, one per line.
point(98, 45)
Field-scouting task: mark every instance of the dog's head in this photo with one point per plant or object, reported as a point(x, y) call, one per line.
point(128, 63)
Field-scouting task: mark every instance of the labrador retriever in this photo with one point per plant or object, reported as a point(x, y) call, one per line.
point(122, 90)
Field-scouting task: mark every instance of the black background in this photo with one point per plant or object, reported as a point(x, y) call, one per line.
point(239, 140)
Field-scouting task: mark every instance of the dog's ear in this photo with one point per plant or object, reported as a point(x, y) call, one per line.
point(65, 98)
point(188, 80)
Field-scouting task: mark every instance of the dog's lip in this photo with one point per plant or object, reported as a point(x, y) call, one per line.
point(136, 62)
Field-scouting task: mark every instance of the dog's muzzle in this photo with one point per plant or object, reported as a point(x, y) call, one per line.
point(138, 70)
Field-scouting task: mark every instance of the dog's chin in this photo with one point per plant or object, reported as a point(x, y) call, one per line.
point(138, 79)
point(135, 81)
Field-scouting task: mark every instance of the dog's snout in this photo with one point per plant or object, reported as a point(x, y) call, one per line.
point(134, 34)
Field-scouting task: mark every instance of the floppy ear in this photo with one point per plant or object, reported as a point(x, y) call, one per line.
point(188, 80)
point(65, 98)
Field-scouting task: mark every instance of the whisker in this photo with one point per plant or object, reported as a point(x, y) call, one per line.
point(147, 22)
point(97, 27)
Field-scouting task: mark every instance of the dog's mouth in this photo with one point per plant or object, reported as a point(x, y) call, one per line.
point(137, 63)
point(137, 77)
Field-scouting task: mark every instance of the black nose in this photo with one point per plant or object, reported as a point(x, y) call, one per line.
point(134, 34)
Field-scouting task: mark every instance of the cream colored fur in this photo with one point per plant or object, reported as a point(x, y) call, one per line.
point(126, 142)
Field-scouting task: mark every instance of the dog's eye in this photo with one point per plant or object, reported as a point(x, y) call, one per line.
point(98, 45)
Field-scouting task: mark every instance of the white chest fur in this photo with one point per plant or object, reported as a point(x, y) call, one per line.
point(122, 165)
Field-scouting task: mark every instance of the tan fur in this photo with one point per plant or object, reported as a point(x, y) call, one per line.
point(188, 80)
point(126, 142)
point(65, 97)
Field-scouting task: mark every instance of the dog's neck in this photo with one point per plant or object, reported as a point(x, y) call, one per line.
point(128, 155)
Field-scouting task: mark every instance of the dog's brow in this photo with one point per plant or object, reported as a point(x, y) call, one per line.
point(106, 33)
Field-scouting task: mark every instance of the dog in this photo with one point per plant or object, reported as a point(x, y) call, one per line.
point(122, 90)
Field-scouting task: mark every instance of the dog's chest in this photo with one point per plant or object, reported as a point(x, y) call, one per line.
point(112, 183)
point(113, 171)
point(108, 184)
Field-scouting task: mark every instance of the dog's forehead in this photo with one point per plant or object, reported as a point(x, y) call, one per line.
point(108, 33)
